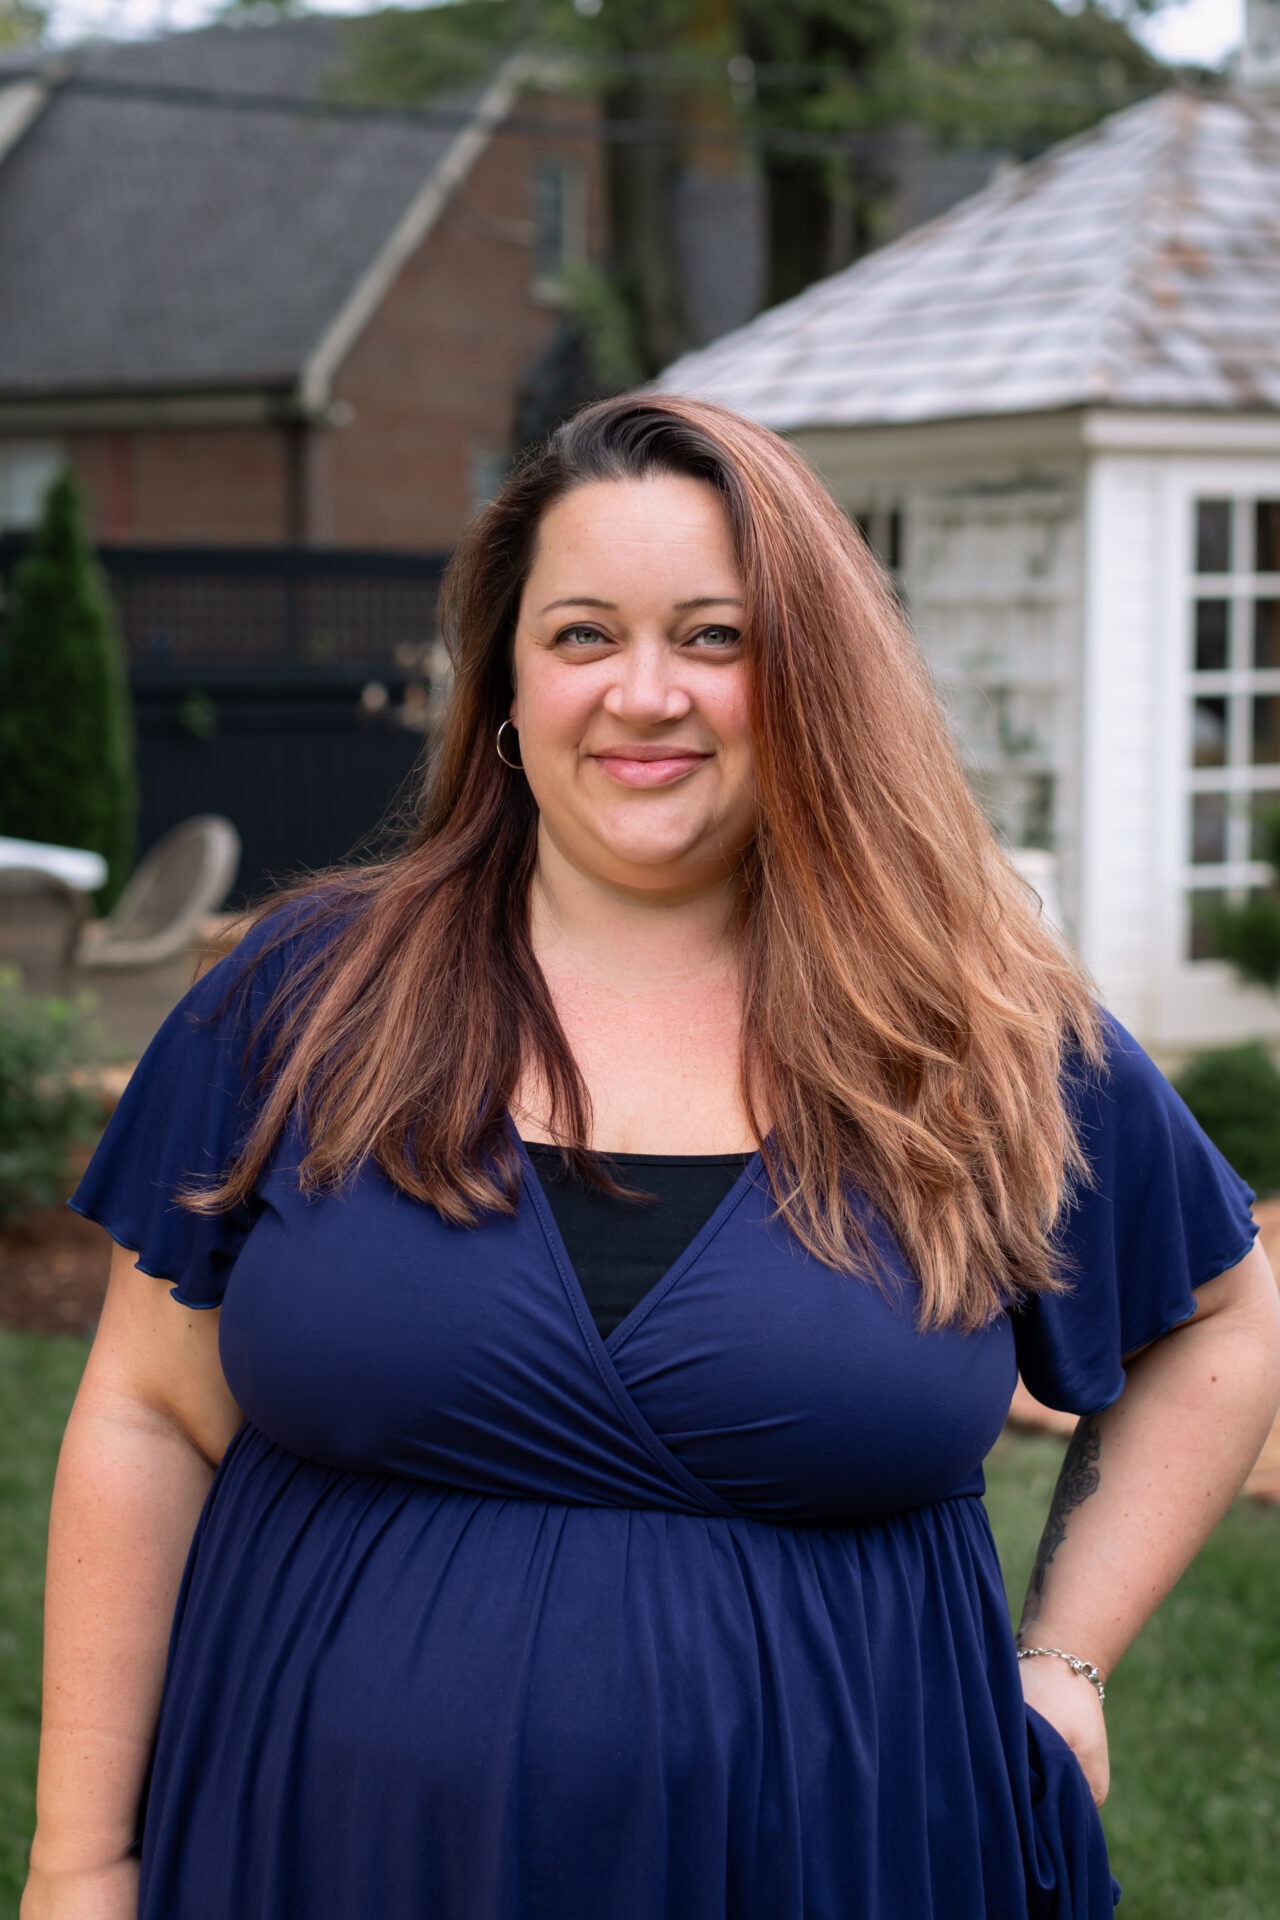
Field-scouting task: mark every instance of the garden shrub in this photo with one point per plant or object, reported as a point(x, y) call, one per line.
point(1247, 934)
point(1234, 1092)
point(46, 1108)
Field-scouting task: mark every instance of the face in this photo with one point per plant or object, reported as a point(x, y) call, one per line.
point(630, 685)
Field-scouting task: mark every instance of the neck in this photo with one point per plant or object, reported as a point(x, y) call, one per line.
point(650, 936)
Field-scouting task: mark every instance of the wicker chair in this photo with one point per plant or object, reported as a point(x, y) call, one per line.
point(185, 877)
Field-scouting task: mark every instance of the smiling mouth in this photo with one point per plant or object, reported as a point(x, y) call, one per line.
point(649, 766)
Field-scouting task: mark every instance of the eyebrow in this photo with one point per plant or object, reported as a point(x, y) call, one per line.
point(680, 606)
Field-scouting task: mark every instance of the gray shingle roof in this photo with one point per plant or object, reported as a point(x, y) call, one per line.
point(149, 244)
point(1137, 265)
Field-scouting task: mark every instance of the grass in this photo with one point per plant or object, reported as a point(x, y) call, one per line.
point(1193, 1713)
point(38, 1379)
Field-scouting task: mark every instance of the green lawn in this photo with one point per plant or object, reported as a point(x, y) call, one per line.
point(1193, 1817)
point(1194, 1712)
point(37, 1382)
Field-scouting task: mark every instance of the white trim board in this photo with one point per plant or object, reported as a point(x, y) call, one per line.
point(365, 297)
point(20, 102)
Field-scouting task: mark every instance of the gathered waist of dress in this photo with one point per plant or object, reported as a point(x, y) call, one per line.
point(261, 1454)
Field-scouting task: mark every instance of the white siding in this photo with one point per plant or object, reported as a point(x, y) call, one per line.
point(993, 589)
point(992, 566)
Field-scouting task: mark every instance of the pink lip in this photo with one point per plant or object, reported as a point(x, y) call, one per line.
point(648, 765)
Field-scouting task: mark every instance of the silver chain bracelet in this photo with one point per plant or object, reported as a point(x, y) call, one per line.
point(1086, 1667)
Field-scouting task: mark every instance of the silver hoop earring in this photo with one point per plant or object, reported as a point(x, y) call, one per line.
point(516, 765)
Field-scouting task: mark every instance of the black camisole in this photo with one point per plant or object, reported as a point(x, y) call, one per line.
point(621, 1248)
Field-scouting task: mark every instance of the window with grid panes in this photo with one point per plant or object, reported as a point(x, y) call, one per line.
point(1233, 776)
point(558, 188)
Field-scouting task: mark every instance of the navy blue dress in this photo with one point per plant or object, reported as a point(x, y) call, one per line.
point(487, 1618)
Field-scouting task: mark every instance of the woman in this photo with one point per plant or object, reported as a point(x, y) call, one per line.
point(562, 1553)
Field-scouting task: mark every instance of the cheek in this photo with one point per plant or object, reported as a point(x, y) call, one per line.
point(551, 711)
point(732, 720)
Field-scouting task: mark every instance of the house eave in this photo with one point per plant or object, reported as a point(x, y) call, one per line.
point(1064, 432)
point(1027, 437)
point(247, 406)
point(1163, 430)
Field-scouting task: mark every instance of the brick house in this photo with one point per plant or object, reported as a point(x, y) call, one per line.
point(246, 318)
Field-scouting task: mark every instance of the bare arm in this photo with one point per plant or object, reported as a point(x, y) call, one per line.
point(1142, 1486)
point(149, 1425)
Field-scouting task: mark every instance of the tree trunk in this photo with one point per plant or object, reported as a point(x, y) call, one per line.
point(642, 178)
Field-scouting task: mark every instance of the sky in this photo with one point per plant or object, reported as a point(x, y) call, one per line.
point(1204, 31)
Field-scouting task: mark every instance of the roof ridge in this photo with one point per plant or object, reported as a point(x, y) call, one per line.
point(1128, 284)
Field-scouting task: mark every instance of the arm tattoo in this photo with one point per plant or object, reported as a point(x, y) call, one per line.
point(1078, 1479)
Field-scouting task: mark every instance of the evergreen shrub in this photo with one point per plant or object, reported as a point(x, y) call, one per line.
point(46, 1108)
point(66, 726)
point(1234, 1092)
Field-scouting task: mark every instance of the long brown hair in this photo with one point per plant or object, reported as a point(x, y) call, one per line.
point(907, 1017)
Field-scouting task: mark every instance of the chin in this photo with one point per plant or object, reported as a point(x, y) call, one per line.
point(666, 867)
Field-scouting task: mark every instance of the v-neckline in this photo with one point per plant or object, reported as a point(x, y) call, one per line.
point(650, 1298)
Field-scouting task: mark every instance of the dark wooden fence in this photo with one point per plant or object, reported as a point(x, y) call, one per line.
point(287, 688)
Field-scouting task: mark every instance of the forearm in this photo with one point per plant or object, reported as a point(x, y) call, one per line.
point(128, 1492)
point(1145, 1482)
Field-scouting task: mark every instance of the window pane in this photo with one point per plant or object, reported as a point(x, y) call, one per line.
point(1211, 635)
point(1213, 536)
point(1267, 536)
point(1200, 942)
point(549, 216)
point(1264, 809)
point(1209, 733)
point(1266, 730)
point(1266, 634)
point(1208, 829)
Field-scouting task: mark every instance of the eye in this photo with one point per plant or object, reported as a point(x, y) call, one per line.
point(717, 639)
point(576, 638)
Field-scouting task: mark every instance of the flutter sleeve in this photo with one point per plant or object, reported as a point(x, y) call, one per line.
point(1164, 1213)
point(186, 1110)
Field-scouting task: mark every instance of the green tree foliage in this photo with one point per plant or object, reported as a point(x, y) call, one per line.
point(66, 731)
point(259, 12)
point(21, 23)
point(1018, 75)
point(830, 71)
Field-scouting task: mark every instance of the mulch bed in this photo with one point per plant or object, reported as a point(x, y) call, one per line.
point(53, 1272)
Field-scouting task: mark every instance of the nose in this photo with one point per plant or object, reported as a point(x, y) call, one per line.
point(647, 687)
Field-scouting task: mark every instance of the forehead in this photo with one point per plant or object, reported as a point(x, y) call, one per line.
point(664, 526)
